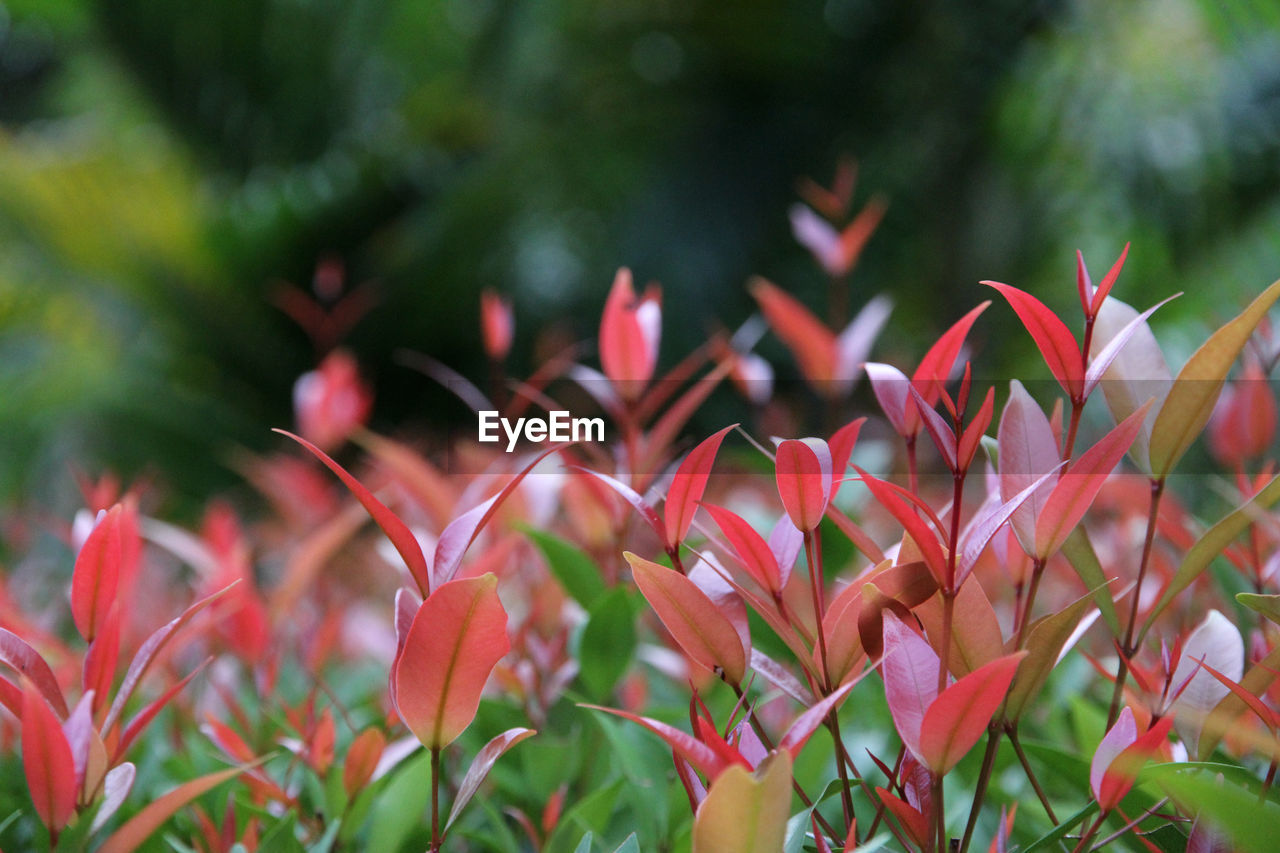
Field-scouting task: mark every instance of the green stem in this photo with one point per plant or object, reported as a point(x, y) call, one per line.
point(1031, 775)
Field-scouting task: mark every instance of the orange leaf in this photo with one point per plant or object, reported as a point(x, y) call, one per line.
point(458, 635)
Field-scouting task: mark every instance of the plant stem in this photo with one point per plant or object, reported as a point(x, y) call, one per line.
point(940, 817)
point(980, 791)
point(1024, 617)
point(1068, 446)
point(1087, 837)
point(435, 800)
point(1127, 649)
point(913, 477)
point(813, 554)
point(1031, 775)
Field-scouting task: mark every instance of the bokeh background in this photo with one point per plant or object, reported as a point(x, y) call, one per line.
point(165, 167)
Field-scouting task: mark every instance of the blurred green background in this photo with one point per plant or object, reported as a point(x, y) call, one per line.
point(164, 166)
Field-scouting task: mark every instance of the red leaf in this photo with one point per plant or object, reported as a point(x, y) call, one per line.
point(807, 723)
point(481, 765)
point(26, 661)
point(628, 351)
point(102, 658)
point(497, 324)
point(362, 759)
point(811, 342)
point(1107, 282)
point(842, 443)
point(688, 486)
point(97, 575)
point(703, 758)
point(1054, 339)
point(916, 528)
point(46, 760)
point(752, 550)
point(958, 717)
point(803, 473)
point(395, 529)
point(1078, 485)
point(457, 637)
point(913, 822)
point(705, 634)
point(148, 652)
point(935, 368)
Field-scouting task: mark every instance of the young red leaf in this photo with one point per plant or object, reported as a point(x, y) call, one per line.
point(463, 530)
point(1077, 487)
point(842, 443)
point(920, 533)
point(147, 654)
point(139, 828)
point(958, 717)
point(984, 527)
point(362, 759)
point(1108, 281)
point(47, 760)
point(967, 447)
point(395, 529)
point(480, 767)
point(1052, 337)
point(102, 658)
point(1121, 755)
point(935, 368)
point(497, 324)
point(915, 824)
point(457, 637)
point(812, 343)
point(803, 473)
point(944, 438)
point(703, 758)
point(807, 723)
point(688, 485)
point(96, 575)
point(26, 661)
point(706, 635)
point(628, 339)
point(1028, 450)
point(752, 550)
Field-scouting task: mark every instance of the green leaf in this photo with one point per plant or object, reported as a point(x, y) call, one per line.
point(590, 815)
point(1079, 552)
point(1210, 545)
point(1224, 803)
point(608, 642)
point(1267, 605)
point(1053, 836)
point(1186, 409)
point(282, 838)
point(584, 846)
point(631, 845)
point(401, 806)
point(576, 571)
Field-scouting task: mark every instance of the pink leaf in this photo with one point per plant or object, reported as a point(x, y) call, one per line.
point(1028, 450)
point(457, 637)
point(1101, 361)
point(26, 661)
point(853, 345)
point(910, 671)
point(892, 390)
point(628, 348)
point(481, 765)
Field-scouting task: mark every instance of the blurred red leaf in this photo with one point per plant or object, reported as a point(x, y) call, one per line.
point(96, 575)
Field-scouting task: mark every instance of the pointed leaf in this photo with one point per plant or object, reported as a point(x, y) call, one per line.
point(1267, 605)
point(144, 717)
point(1079, 552)
point(1052, 337)
point(1108, 281)
point(1028, 450)
point(1100, 362)
point(853, 345)
point(812, 343)
point(115, 790)
point(26, 661)
point(1137, 374)
point(395, 529)
point(688, 485)
point(960, 714)
point(975, 631)
point(626, 352)
point(96, 575)
point(703, 758)
point(480, 767)
point(458, 635)
point(1195, 390)
point(362, 760)
point(920, 533)
point(807, 723)
point(147, 653)
point(139, 828)
point(1078, 485)
point(910, 671)
point(892, 390)
point(704, 633)
point(979, 534)
point(47, 760)
point(803, 474)
point(935, 368)
point(1044, 644)
point(638, 503)
point(463, 530)
point(1216, 643)
point(752, 550)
